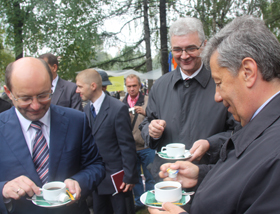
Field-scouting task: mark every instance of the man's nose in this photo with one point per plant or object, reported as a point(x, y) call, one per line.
point(35, 104)
point(185, 55)
point(218, 98)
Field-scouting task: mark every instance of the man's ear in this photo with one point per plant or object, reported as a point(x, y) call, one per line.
point(8, 92)
point(93, 86)
point(205, 42)
point(249, 71)
point(55, 67)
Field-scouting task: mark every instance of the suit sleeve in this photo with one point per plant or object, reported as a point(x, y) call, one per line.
point(76, 102)
point(92, 167)
point(127, 145)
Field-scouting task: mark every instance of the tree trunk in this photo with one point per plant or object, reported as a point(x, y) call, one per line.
point(147, 37)
point(17, 22)
point(163, 37)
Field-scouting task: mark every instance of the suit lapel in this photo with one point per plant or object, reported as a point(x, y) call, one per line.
point(87, 110)
point(59, 126)
point(58, 91)
point(103, 112)
point(18, 145)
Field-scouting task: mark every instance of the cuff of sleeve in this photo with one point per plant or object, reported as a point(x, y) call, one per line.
point(203, 170)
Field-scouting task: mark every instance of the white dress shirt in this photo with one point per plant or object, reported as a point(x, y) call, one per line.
point(184, 76)
point(29, 132)
point(54, 83)
point(97, 104)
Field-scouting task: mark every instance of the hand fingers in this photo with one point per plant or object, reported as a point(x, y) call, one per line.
point(19, 187)
point(122, 185)
point(154, 211)
point(73, 187)
point(172, 208)
point(126, 188)
point(155, 130)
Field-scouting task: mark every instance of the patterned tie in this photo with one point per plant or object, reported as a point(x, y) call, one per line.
point(40, 152)
point(93, 111)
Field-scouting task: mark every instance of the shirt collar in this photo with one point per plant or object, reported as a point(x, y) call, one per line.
point(25, 123)
point(184, 76)
point(97, 104)
point(245, 136)
point(202, 76)
point(54, 83)
point(263, 105)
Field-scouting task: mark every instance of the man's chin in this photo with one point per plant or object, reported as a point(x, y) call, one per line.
point(34, 116)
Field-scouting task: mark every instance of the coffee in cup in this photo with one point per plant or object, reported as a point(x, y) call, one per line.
point(54, 191)
point(168, 191)
point(174, 149)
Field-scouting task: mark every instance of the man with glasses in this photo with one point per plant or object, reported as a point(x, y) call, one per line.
point(41, 142)
point(181, 108)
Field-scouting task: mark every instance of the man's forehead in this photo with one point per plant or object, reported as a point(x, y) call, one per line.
point(28, 66)
point(133, 79)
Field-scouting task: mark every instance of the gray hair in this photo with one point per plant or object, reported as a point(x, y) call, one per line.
point(131, 76)
point(245, 36)
point(187, 25)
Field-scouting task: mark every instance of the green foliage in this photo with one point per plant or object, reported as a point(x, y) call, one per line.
point(270, 11)
point(129, 58)
point(68, 28)
point(5, 56)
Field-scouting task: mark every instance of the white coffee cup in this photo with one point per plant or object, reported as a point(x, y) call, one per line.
point(174, 149)
point(168, 191)
point(54, 191)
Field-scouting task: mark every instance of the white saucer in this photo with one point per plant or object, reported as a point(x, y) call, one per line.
point(44, 203)
point(144, 195)
point(163, 155)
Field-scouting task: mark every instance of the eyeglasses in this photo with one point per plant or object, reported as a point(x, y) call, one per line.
point(24, 101)
point(189, 50)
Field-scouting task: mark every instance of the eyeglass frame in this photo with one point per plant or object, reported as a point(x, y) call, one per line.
point(31, 98)
point(186, 49)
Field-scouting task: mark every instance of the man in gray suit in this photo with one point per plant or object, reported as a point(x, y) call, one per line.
point(64, 92)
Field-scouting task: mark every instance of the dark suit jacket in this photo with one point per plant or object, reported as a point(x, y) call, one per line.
point(65, 95)
point(4, 105)
point(73, 154)
point(113, 136)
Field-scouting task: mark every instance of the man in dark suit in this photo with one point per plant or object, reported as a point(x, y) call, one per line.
point(64, 92)
point(71, 154)
point(4, 105)
point(111, 127)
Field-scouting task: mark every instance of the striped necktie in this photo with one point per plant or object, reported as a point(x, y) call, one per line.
point(40, 152)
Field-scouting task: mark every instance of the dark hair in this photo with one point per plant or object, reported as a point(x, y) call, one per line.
point(52, 59)
point(9, 69)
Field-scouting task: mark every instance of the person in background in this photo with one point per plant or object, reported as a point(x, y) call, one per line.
point(105, 81)
point(181, 108)
point(247, 76)
point(64, 92)
point(4, 105)
point(111, 127)
point(41, 142)
point(137, 102)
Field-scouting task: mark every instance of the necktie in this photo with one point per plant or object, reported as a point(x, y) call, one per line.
point(40, 152)
point(93, 111)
